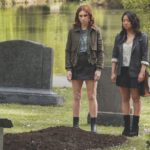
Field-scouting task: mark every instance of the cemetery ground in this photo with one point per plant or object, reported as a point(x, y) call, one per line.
point(42, 122)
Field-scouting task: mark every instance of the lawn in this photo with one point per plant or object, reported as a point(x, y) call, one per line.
point(31, 117)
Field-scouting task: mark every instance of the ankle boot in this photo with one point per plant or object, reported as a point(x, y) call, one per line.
point(93, 125)
point(135, 126)
point(76, 122)
point(126, 131)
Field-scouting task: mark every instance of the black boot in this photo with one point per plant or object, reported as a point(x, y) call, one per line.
point(76, 122)
point(93, 125)
point(126, 131)
point(135, 126)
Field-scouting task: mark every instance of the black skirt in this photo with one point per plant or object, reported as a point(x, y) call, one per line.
point(83, 70)
point(124, 80)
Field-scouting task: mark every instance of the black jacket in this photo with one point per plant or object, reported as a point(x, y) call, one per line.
point(139, 54)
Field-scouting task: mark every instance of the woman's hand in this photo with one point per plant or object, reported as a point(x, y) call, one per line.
point(69, 75)
point(141, 76)
point(97, 75)
point(113, 77)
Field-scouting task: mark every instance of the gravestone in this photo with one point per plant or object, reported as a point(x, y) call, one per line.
point(4, 123)
point(26, 73)
point(109, 100)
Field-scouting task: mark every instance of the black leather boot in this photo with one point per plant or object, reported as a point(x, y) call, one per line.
point(126, 131)
point(76, 122)
point(93, 125)
point(135, 126)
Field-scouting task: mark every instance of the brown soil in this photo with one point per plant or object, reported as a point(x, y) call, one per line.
point(60, 138)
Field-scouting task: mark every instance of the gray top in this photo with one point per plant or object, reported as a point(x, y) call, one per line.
point(127, 47)
point(83, 41)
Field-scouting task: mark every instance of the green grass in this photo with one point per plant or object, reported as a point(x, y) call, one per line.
point(31, 117)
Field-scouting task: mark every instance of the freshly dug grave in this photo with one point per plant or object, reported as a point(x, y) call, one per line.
point(60, 138)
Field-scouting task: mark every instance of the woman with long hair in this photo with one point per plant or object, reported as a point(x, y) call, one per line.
point(84, 61)
point(129, 61)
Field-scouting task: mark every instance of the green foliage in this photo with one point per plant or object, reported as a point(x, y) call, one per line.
point(132, 4)
point(140, 7)
point(148, 70)
point(44, 25)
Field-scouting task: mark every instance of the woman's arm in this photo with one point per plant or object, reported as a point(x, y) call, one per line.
point(141, 75)
point(100, 51)
point(144, 50)
point(68, 65)
point(115, 52)
point(144, 60)
point(114, 61)
point(113, 72)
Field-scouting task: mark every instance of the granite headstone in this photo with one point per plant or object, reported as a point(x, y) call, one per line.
point(26, 73)
point(4, 123)
point(109, 100)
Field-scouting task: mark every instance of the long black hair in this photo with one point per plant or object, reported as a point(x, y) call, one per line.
point(135, 22)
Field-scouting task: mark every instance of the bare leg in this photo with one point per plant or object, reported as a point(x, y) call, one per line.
point(125, 95)
point(77, 86)
point(137, 109)
point(136, 101)
point(91, 92)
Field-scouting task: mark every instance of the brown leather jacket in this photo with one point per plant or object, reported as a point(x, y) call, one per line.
point(96, 52)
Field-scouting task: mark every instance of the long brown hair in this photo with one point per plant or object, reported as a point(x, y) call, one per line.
point(88, 10)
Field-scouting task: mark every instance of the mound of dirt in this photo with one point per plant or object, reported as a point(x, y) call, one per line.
point(60, 138)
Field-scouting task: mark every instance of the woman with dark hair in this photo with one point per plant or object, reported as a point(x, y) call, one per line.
point(84, 61)
point(129, 61)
